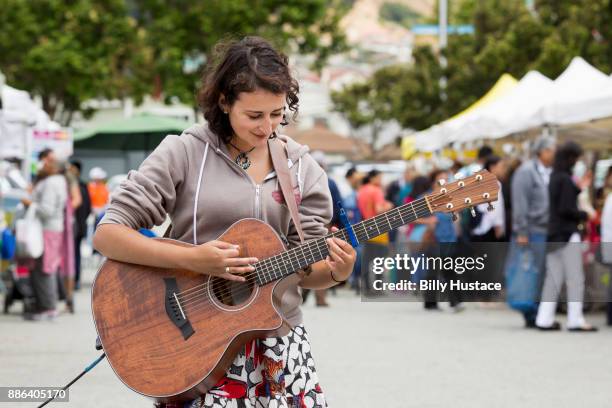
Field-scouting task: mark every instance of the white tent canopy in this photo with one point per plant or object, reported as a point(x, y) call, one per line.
point(581, 94)
point(438, 135)
point(517, 110)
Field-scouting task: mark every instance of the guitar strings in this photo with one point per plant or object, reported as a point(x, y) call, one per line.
point(268, 269)
point(189, 297)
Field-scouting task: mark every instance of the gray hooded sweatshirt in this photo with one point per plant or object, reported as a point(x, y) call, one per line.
point(195, 168)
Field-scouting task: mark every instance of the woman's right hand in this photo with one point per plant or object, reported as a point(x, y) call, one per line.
point(220, 259)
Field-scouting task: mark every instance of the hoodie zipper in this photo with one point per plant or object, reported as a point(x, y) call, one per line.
point(257, 186)
point(257, 203)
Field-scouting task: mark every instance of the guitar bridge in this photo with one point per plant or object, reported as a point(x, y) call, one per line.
point(175, 311)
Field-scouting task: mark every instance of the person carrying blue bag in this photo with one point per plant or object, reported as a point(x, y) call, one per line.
point(530, 214)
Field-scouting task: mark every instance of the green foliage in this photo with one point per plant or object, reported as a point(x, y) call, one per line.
point(409, 95)
point(400, 14)
point(71, 51)
point(68, 52)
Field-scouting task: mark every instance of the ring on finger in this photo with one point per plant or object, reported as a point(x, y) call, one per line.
point(227, 269)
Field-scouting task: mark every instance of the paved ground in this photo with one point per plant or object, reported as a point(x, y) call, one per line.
point(367, 354)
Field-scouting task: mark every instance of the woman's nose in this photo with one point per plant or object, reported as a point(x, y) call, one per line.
point(266, 126)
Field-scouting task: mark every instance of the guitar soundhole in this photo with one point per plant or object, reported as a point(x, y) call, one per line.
point(232, 293)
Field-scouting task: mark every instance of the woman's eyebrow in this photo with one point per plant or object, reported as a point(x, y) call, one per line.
point(275, 110)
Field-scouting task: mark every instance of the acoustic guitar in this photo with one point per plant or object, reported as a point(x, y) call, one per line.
point(171, 334)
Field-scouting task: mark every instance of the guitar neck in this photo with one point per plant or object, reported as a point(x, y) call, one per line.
point(288, 262)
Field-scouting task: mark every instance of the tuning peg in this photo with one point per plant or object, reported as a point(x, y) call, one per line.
point(473, 211)
point(454, 216)
point(490, 207)
point(441, 182)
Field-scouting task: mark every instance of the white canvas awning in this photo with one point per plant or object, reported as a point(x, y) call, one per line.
point(581, 93)
point(518, 109)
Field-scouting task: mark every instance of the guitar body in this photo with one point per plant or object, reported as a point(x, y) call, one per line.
point(172, 334)
point(158, 353)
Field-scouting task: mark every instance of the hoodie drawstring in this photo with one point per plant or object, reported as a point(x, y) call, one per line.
point(299, 180)
point(197, 195)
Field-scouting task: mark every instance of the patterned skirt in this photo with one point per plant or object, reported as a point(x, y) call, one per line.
point(277, 372)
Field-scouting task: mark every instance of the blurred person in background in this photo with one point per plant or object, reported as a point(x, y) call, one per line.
point(530, 213)
point(371, 202)
point(50, 196)
point(66, 273)
point(467, 223)
point(371, 199)
point(606, 242)
point(420, 233)
point(490, 225)
point(98, 192)
point(396, 193)
point(354, 179)
point(564, 260)
point(481, 157)
point(442, 244)
point(421, 185)
point(595, 226)
point(604, 191)
point(81, 214)
point(513, 165)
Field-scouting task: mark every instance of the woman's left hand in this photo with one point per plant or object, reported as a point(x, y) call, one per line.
point(341, 258)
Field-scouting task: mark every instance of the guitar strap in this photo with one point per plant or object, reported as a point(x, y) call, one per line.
point(279, 156)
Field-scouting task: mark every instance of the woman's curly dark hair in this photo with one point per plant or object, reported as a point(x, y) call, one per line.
point(244, 66)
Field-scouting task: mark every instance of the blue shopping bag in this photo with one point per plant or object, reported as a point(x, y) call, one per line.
point(522, 279)
point(8, 244)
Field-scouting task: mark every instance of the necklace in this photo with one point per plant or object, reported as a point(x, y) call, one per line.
point(242, 159)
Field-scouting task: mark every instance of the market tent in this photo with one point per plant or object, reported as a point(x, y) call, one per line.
point(518, 109)
point(19, 114)
point(437, 136)
point(581, 93)
point(142, 132)
point(578, 96)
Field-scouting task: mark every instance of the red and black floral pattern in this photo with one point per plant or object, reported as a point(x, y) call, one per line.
point(277, 372)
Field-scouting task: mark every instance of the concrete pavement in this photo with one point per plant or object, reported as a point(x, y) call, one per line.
point(367, 355)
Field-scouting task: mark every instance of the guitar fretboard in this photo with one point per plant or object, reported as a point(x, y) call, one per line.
point(288, 262)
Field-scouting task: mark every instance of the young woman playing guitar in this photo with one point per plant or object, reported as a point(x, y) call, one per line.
point(214, 175)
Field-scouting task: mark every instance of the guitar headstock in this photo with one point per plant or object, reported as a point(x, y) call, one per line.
point(480, 187)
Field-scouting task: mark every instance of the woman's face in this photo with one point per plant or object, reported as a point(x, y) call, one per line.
point(255, 115)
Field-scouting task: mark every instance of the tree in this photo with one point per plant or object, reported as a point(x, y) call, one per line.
point(181, 34)
point(68, 52)
point(410, 95)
